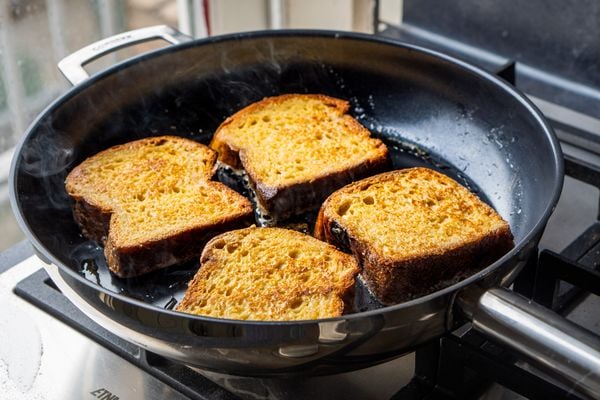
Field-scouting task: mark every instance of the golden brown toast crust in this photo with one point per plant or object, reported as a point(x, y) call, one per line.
point(122, 192)
point(428, 264)
point(130, 261)
point(270, 274)
point(323, 116)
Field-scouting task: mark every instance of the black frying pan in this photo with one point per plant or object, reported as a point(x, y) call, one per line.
point(430, 109)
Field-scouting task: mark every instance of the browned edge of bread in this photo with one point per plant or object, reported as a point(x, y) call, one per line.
point(93, 220)
point(395, 281)
point(291, 200)
point(127, 262)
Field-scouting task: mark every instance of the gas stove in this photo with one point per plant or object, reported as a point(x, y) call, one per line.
point(56, 352)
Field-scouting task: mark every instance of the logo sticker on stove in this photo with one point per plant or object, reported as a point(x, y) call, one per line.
point(104, 394)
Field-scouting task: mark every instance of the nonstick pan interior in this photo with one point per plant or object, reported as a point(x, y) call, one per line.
point(430, 111)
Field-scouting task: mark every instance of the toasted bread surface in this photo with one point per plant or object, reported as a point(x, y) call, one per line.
point(413, 231)
point(270, 274)
point(151, 202)
point(297, 149)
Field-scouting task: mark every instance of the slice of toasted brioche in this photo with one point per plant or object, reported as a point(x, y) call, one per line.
point(413, 231)
point(270, 274)
point(151, 202)
point(297, 149)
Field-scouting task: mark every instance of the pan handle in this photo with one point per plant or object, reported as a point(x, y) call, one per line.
point(72, 65)
point(558, 347)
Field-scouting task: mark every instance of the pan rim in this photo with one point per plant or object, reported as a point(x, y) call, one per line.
point(558, 170)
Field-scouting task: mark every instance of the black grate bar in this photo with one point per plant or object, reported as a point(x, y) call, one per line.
point(560, 267)
point(500, 368)
point(582, 170)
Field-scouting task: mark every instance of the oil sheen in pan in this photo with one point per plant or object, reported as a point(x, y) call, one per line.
point(164, 288)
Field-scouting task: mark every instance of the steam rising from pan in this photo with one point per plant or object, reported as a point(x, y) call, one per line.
point(48, 153)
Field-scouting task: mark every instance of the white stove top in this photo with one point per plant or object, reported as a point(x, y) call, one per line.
point(41, 358)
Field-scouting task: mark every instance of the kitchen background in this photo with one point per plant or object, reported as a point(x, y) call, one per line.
point(36, 34)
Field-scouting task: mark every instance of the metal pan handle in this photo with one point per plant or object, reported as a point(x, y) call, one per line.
point(72, 65)
point(561, 349)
